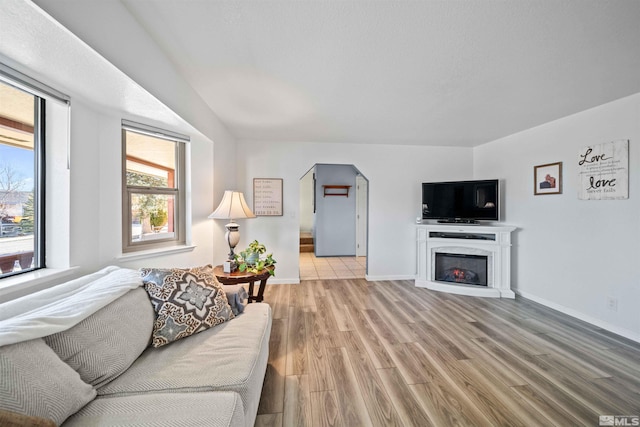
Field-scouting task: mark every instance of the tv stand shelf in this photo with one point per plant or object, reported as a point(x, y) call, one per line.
point(461, 235)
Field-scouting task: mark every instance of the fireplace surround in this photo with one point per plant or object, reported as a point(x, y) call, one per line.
point(465, 259)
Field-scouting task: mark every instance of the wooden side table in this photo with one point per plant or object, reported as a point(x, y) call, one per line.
point(245, 277)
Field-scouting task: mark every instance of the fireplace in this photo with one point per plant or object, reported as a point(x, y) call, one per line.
point(470, 260)
point(461, 268)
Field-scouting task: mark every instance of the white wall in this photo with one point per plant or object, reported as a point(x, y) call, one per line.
point(96, 195)
point(573, 254)
point(395, 175)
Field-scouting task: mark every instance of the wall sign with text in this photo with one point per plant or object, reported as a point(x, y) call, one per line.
point(603, 171)
point(267, 196)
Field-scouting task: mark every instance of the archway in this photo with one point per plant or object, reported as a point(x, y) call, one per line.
point(333, 222)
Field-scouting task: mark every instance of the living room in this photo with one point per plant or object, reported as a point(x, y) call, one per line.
point(584, 233)
point(574, 256)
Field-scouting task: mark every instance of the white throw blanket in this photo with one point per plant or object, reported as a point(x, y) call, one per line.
point(61, 307)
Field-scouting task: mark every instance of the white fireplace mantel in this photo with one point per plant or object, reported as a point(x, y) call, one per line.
point(494, 242)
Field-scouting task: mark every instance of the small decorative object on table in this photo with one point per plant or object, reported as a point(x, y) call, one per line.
point(229, 266)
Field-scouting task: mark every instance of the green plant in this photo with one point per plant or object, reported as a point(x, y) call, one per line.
point(26, 222)
point(257, 247)
point(158, 218)
point(249, 259)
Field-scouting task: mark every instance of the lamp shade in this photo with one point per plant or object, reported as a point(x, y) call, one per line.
point(232, 206)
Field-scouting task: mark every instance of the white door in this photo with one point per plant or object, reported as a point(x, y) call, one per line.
point(361, 215)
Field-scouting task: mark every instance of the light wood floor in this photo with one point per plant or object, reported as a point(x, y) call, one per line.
point(351, 352)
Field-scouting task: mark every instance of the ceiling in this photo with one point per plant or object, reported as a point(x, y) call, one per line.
point(16, 117)
point(430, 72)
point(34, 43)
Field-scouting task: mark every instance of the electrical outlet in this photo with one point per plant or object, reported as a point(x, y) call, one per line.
point(612, 304)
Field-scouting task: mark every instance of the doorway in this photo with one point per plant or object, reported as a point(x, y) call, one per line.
point(333, 223)
point(362, 189)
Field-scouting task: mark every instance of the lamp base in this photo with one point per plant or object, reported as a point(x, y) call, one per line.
point(233, 237)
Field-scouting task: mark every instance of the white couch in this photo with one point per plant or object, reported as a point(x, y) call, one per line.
point(101, 371)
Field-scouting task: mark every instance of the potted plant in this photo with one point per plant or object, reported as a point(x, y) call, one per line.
point(158, 219)
point(249, 259)
point(252, 253)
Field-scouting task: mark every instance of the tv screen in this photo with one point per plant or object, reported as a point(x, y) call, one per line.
point(461, 201)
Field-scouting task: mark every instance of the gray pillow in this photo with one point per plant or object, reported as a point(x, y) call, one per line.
point(106, 343)
point(236, 296)
point(36, 382)
point(186, 301)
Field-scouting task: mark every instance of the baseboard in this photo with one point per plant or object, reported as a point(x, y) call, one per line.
point(279, 281)
point(370, 278)
point(581, 316)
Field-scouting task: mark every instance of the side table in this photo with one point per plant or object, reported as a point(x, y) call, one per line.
point(245, 277)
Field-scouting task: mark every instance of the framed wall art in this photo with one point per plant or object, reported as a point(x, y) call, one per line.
point(547, 179)
point(267, 196)
point(603, 171)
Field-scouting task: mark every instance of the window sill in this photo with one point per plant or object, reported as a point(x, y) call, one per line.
point(132, 256)
point(33, 281)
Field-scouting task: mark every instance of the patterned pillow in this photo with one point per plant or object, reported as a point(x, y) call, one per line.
point(186, 301)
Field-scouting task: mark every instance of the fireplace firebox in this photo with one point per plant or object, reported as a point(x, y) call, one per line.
point(461, 268)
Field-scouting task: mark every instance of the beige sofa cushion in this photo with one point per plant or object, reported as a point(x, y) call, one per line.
point(106, 343)
point(232, 356)
point(35, 382)
point(212, 409)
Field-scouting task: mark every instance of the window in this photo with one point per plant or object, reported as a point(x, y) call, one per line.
point(21, 179)
point(153, 196)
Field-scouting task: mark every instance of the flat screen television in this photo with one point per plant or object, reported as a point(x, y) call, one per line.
point(461, 201)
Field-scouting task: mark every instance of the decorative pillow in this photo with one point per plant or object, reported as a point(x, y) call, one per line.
point(105, 344)
point(36, 382)
point(186, 301)
point(237, 297)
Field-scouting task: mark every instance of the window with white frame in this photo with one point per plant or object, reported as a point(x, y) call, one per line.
point(21, 178)
point(154, 182)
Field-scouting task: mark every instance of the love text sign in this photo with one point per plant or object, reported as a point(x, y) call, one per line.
point(603, 171)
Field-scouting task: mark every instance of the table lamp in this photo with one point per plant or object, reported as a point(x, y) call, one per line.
point(232, 206)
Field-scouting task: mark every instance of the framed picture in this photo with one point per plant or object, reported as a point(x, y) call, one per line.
point(267, 196)
point(603, 171)
point(547, 179)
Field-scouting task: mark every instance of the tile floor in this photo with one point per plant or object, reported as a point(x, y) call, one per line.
point(349, 267)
